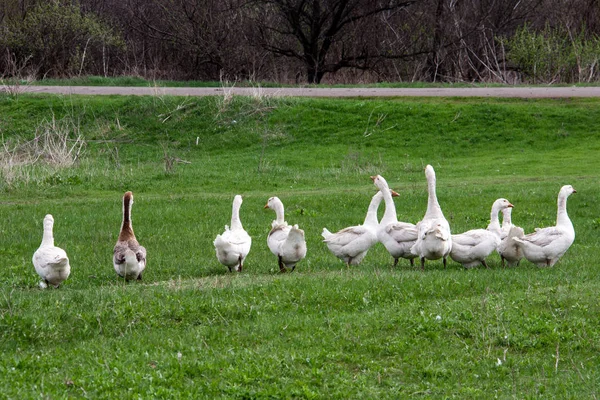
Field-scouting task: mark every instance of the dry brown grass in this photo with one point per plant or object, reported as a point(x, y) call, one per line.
point(56, 144)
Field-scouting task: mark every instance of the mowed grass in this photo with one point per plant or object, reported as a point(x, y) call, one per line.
point(191, 329)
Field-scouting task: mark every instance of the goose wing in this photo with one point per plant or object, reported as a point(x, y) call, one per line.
point(543, 237)
point(346, 235)
point(402, 231)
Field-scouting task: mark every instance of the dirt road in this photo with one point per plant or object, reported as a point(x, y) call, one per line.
point(516, 92)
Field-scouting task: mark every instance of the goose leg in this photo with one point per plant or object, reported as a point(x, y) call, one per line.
point(294, 267)
point(240, 264)
point(502, 258)
point(412, 262)
point(229, 269)
point(139, 277)
point(423, 263)
point(395, 263)
point(281, 266)
point(445, 262)
point(484, 264)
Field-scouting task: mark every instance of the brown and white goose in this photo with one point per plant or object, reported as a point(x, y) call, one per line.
point(129, 258)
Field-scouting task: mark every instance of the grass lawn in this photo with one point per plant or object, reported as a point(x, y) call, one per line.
point(193, 330)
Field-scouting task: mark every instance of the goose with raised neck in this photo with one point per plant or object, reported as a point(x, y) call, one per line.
point(434, 240)
point(352, 244)
point(472, 247)
point(129, 258)
point(397, 237)
point(50, 262)
point(510, 253)
point(286, 242)
point(233, 245)
point(546, 246)
point(506, 221)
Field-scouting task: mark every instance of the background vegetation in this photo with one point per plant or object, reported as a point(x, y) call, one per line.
point(192, 329)
point(303, 41)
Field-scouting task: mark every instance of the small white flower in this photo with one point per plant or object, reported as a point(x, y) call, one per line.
point(438, 318)
point(499, 362)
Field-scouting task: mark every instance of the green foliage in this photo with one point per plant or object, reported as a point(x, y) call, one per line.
point(554, 54)
point(59, 39)
point(192, 330)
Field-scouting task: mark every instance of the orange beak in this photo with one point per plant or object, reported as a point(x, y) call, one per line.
point(394, 193)
point(266, 206)
point(510, 205)
point(373, 178)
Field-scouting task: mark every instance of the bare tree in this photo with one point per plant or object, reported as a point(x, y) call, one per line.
point(324, 35)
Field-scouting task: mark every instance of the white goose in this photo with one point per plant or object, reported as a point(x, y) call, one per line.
point(472, 247)
point(129, 258)
point(434, 240)
point(397, 237)
point(352, 244)
point(285, 241)
point(50, 262)
point(545, 246)
point(233, 245)
point(510, 252)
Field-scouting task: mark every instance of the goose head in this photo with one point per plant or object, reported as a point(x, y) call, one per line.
point(48, 222)
point(429, 173)
point(273, 203)
point(380, 182)
point(237, 200)
point(567, 190)
point(128, 198)
point(502, 204)
point(382, 185)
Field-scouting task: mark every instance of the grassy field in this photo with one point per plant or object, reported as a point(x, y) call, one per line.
point(193, 330)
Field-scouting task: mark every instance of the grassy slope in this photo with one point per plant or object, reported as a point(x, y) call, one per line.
point(322, 331)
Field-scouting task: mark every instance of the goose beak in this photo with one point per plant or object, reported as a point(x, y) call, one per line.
point(373, 178)
point(574, 191)
point(394, 193)
point(510, 205)
point(266, 206)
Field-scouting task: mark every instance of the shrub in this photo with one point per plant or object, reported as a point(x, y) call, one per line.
point(59, 40)
point(554, 54)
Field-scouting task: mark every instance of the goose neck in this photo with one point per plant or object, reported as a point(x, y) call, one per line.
point(279, 213)
point(506, 217)
point(494, 221)
point(389, 214)
point(126, 228)
point(48, 237)
point(562, 218)
point(432, 202)
point(236, 223)
point(371, 217)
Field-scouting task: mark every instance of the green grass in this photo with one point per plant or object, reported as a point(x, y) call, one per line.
point(191, 329)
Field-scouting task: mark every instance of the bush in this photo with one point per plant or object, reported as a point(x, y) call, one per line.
point(554, 54)
point(59, 40)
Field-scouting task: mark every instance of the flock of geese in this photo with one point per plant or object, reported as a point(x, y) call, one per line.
point(429, 239)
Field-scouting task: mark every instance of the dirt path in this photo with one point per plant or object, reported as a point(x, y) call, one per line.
point(518, 92)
